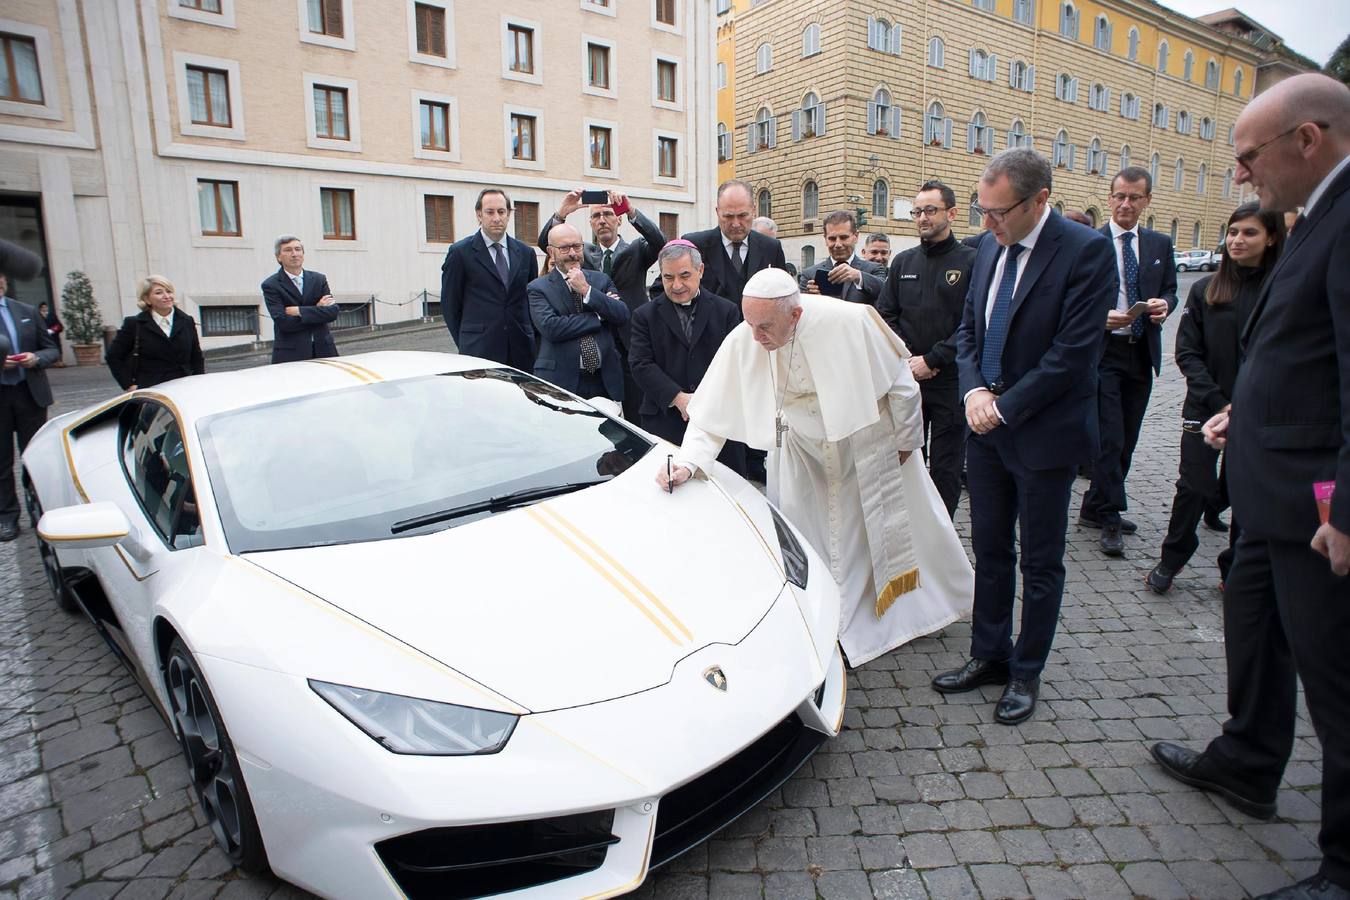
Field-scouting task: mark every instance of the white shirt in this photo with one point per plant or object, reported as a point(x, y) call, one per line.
point(1322, 188)
point(165, 323)
point(1122, 295)
point(506, 254)
point(1028, 244)
point(726, 245)
point(298, 281)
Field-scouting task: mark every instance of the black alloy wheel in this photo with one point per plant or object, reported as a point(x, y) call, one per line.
point(213, 766)
point(51, 567)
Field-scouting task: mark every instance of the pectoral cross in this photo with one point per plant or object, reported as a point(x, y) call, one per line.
point(780, 428)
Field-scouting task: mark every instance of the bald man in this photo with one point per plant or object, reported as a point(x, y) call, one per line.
point(1287, 435)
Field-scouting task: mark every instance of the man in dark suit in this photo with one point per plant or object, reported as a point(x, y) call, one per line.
point(1133, 351)
point(1027, 353)
point(675, 338)
point(483, 281)
point(858, 280)
point(732, 252)
point(28, 349)
point(300, 304)
point(576, 316)
point(1287, 598)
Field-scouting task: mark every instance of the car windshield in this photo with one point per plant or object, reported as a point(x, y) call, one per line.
point(399, 458)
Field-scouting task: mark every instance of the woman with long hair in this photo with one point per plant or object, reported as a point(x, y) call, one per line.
point(1207, 354)
point(159, 343)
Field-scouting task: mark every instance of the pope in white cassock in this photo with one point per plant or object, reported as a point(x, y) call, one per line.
point(824, 386)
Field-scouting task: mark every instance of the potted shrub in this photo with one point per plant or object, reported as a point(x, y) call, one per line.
point(84, 322)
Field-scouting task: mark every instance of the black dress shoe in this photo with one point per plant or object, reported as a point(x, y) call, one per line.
point(1318, 887)
point(1197, 770)
point(970, 676)
point(1214, 523)
point(1018, 701)
point(1160, 579)
point(1126, 526)
point(1111, 543)
point(9, 531)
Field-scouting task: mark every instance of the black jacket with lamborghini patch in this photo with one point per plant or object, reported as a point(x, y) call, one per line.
point(924, 296)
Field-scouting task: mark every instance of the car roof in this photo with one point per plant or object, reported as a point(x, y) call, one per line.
point(206, 395)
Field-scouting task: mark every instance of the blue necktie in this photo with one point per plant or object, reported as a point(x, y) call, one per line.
point(499, 259)
point(15, 375)
point(1132, 281)
point(991, 359)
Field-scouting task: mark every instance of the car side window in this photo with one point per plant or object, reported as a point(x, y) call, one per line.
point(156, 466)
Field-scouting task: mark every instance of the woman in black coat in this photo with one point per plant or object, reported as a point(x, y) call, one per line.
point(1207, 354)
point(158, 344)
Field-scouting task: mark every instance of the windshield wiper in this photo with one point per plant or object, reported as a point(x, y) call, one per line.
point(492, 504)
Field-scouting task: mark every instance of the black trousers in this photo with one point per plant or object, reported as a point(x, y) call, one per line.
point(944, 436)
point(1125, 380)
point(20, 419)
point(1007, 497)
point(632, 394)
point(1284, 614)
point(1199, 488)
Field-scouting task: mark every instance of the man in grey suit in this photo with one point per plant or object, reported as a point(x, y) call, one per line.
point(859, 280)
point(24, 393)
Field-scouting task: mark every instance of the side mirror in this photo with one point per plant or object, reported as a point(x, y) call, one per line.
point(84, 527)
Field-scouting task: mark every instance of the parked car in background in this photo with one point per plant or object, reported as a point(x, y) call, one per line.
point(1196, 260)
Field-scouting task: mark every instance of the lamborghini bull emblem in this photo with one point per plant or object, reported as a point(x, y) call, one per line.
point(953, 276)
point(716, 677)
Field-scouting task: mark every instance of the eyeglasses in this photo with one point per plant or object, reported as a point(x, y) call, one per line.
point(998, 215)
point(1247, 157)
point(1133, 198)
point(930, 210)
point(566, 248)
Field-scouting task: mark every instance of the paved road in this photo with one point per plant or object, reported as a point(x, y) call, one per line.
point(921, 796)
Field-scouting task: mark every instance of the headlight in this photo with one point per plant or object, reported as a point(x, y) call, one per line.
point(794, 557)
point(419, 727)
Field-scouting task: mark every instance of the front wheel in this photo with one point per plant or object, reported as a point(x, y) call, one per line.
point(1182, 268)
point(51, 566)
point(213, 766)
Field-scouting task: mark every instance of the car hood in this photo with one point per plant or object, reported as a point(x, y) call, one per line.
point(583, 598)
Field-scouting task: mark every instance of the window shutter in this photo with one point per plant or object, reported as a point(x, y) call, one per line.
point(1072, 154)
point(1012, 138)
point(871, 117)
point(773, 132)
point(927, 129)
point(750, 138)
point(1106, 163)
point(895, 40)
point(1031, 78)
point(872, 32)
point(1073, 89)
point(971, 137)
point(992, 72)
point(973, 73)
point(1012, 76)
point(332, 18)
point(947, 132)
point(1110, 33)
point(895, 122)
point(820, 119)
point(796, 124)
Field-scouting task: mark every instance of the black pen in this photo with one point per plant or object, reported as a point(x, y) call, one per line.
point(670, 483)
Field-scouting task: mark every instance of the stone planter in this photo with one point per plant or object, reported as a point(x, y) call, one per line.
point(88, 354)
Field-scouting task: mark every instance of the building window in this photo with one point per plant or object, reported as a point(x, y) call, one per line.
point(1207, 129)
point(1154, 165)
point(723, 142)
point(430, 29)
point(809, 121)
point(209, 6)
point(1125, 156)
point(1201, 178)
point(1066, 88)
point(1021, 76)
point(1024, 11)
point(1129, 106)
point(339, 214)
point(764, 131)
point(1059, 151)
point(665, 12)
point(882, 36)
point(670, 225)
point(1231, 129)
point(883, 116)
point(937, 128)
point(1228, 184)
point(597, 66)
point(810, 200)
point(763, 58)
point(522, 137)
point(1160, 116)
point(1212, 75)
point(1237, 82)
point(973, 218)
point(1172, 232)
point(600, 146)
point(440, 216)
point(520, 49)
point(1101, 34)
point(325, 17)
point(208, 96)
point(723, 6)
point(880, 198)
point(218, 204)
point(667, 149)
point(330, 113)
point(764, 203)
point(1017, 135)
point(808, 257)
point(937, 53)
point(1195, 235)
point(986, 5)
point(1179, 174)
point(1096, 158)
point(435, 125)
point(979, 135)
point(1183, 122)
point(1163, 51)
point(811, 40)
point(1099, 97)
point(665, 81)
point(526, 214)
point(721, 76)
point(1187, 65)
point(224, 321)
point(1133, 50)
point(1068, 21)
point(983, 65)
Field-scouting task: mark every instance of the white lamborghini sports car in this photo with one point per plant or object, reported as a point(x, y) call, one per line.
point(427, 627)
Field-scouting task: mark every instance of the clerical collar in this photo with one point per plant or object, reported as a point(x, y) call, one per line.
point(688, 304)
point(937, 248)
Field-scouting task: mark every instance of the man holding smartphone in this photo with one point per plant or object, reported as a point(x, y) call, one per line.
point(1147, 293)
point(845, 274)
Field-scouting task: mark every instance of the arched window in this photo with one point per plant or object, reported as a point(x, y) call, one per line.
point(1091, 213)
point(883, 116)
point(1129, 106)
point(1237, 82)
point(1162, 56)
point(763, 134)
point(1101, 33)
point(979, 136)
point(1183, 122)
point(1195, 235)
point(810, 118)
point(1188, 65)
point(1154, 164)
point(1212, 75)
point(1124, 156)
point(810, 200)
point(1017, 135)
point(1200, 177)
point(1172, 232)
point(1149, 226)
point(1159, 116)
point(1024, 11)
point(1179, 174)
point(808, 257)
point(1059, 155)
point(1068, 20)
point(811, 40)
point(883, 36)
point(937, 53)
point(937, 129)
point(1021, 76)
point(1099, 97)
point(982, 65)
point(1096, 158)
point(1228, 184)
point(1207, 128)
point(1066, 88)
point(723, 142)
point(763, 58)
point(880, 198)
point(764, 203)
point(1133, 50)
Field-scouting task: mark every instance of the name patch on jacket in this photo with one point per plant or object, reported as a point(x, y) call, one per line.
point(909, 277)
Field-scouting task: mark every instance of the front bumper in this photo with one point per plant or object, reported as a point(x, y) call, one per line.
point(342, 817)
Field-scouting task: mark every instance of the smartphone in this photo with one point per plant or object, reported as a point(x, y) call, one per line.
point(595, 198)
point(621, 209)
point(15, 356)
point(824, 285)
point(1137, 310)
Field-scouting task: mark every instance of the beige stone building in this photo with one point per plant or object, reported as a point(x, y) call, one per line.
point(183, 136)
point(853, 105)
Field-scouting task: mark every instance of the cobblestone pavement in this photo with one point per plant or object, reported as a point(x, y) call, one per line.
point(921, 796)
